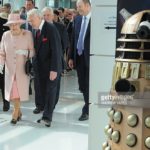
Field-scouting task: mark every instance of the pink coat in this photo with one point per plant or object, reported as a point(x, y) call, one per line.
point(14, 63)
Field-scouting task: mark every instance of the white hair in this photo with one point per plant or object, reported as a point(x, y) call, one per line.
point(47, 9)
point(34, 12)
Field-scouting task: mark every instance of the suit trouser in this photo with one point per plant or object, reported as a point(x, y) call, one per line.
point(58, 90)
point(39, 99)
point(50, 98)
point(5, 102)
point(83, 80)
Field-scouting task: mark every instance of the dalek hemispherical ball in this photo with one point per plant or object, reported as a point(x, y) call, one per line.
point(108, 111)
point(104, 145)
point(111, 114)
point(109, 133)
point(132, 120)
point(108, 148)
point(106, 129)
point(115, 136)
point(147, 142)
point(117, 117)
point(147, 122)
point(131, 140)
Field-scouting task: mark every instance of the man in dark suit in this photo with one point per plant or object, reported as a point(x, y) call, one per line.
point(62, 17)
point(3, 20)
point(80, 50)
point(46, 64)
point(48, 16)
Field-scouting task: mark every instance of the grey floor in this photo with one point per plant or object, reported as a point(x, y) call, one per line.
point(66, 132)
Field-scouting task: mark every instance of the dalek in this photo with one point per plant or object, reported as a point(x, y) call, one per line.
point(129, 126)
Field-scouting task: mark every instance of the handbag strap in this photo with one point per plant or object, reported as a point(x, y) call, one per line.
point(28, 54)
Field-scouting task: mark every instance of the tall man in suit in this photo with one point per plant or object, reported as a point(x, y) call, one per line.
point(80, 50)
point(48, 16)
point(46, 64)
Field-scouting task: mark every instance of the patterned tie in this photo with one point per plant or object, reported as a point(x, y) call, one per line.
point(80, 44)
point(38, 33)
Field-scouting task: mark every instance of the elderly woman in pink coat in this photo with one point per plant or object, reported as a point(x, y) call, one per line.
point(14, 49)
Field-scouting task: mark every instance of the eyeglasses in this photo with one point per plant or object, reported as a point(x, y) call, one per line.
point(14, 24)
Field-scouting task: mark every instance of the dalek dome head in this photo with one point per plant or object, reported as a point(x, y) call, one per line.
point(138, 24)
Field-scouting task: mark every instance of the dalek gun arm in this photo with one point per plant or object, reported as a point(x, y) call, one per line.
point(124, 87)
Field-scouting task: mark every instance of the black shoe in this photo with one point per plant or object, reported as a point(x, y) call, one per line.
point(13, 121)
point(46, 122)
point(19, 117)
point(5, 108)
point(37, 111)
point(84, 117)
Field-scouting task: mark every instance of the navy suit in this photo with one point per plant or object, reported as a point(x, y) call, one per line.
point(48, 58)
point(64, 44)
point(81, 63)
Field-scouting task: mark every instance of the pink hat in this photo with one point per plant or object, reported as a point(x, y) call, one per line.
point(14, 18)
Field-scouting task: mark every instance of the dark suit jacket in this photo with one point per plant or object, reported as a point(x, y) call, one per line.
point(75, 35)
point(69, 30)
point(63, 35)
point(47, 48)
point(3, 28)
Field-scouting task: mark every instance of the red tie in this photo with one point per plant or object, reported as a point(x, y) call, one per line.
point(38, 33)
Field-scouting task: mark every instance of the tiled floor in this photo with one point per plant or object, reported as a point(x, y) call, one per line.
point(66, 132)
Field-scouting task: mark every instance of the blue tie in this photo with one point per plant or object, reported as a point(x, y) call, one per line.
point(80, 44)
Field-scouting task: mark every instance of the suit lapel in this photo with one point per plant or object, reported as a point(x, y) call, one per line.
point(39, 40)
point(88, 29)
point(79, 24)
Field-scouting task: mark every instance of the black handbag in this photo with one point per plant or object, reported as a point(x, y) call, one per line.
point(28, 66)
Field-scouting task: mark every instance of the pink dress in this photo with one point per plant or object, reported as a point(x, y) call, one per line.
point(14, 91)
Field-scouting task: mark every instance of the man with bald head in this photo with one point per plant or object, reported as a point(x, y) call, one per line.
point(80, 51)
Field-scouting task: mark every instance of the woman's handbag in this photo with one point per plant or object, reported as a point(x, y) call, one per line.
point(28, 66)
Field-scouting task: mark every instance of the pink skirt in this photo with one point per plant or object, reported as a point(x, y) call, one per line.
point(14, 91)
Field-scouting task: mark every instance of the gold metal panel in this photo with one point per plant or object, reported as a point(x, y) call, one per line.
point(125, 70)
point(116, 73)
point(147, 71)
point(135, 68)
